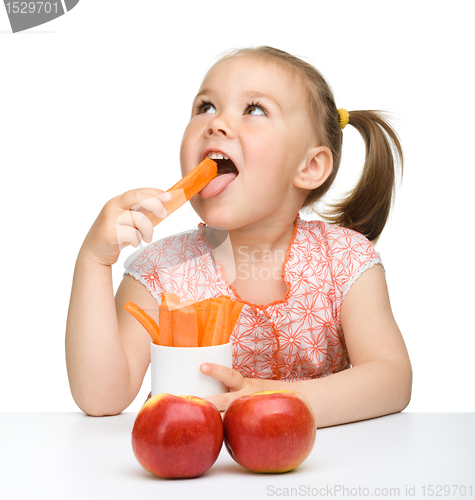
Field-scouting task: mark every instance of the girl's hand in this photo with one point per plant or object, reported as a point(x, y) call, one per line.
point(237, 384)
point(119, 225)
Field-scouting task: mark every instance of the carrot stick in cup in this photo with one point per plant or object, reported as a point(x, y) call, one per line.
point(220, 321)
point(202, 312)
point(171, 298)
point(227, 305)
point(234, 315)
point(214, 309)
point(185, 327)
point(180, 305)
point(173, 301)
point(165, 322)
point(144, 319)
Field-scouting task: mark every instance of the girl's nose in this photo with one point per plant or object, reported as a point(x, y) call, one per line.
point(218, 126)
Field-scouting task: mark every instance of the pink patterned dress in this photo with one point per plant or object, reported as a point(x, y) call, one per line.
point(297, 338)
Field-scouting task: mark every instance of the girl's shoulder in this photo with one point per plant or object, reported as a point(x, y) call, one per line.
point(345, 252)
point(333, 238)
point(178, 263)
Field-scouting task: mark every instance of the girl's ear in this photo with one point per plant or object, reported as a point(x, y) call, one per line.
point(315, 171)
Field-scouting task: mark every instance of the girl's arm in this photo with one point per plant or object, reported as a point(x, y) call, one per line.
point(107, 351)
point(380, 380)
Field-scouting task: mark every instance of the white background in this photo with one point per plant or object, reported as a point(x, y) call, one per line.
point(95, 103)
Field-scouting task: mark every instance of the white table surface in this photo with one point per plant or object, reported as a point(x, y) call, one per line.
point(72, 456)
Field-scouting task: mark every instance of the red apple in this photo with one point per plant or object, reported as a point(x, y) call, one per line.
point(177, 436)
point(270, 431)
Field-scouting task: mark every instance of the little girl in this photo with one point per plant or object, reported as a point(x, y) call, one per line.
point(316, 316)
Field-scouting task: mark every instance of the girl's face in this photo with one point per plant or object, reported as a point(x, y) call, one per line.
point(255, 114)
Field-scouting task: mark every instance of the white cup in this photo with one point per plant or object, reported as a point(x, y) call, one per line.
point(176, 370)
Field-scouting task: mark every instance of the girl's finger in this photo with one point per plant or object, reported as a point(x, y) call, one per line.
point(155, 205)
point(229, 377)
point(221, 401)
point(132, 198)
point(165, 196)
point(138, 221)
point(128, 235)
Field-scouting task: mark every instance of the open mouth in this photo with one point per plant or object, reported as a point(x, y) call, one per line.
point(225, 165)
point(227, 172)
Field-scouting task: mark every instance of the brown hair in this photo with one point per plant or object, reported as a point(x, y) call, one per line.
point(366, 208)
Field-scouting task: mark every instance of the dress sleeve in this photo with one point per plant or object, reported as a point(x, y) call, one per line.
point(179, 264)
point(352, 254)
point(142, 266)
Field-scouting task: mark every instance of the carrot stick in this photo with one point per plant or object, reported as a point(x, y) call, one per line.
point(171, 299)
point(185, 327)
point(227, 305)
point(186, 188)
point(214, 309)
point(198, 178)
point(202, 311)
point(144, 319)
point(181, 305)
point(234, 315)
point(165, 322)
point(236, 311)
point(220, 321)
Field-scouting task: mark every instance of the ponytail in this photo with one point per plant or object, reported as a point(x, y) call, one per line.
point(367, 207)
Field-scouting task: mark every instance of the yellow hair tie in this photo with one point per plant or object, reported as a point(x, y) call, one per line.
point(344, 117)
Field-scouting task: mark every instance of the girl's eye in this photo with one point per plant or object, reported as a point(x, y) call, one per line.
point(255, 109)
point(206, 107)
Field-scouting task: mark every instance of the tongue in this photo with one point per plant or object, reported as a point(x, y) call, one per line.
point(217, 185)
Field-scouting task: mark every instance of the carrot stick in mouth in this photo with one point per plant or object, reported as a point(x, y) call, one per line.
point(197, 179)
point(186, 188)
